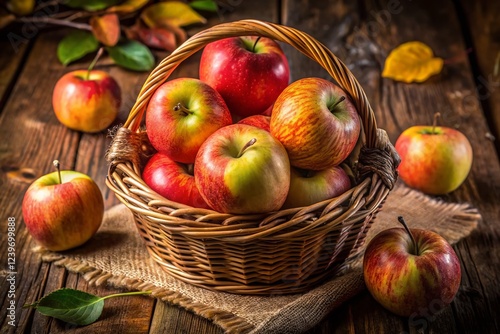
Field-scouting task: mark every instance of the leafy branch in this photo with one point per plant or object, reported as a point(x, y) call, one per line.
point(107, 23)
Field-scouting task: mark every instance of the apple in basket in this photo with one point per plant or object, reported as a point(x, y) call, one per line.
point(249, 72)
point(242, 169)
point(63, 209)
point(173, 180)
point(86, 100)
point(260, 121)
point(316, 122)
point(181, 114)
point(308, 187)
point(411, 271)
point(434, 159)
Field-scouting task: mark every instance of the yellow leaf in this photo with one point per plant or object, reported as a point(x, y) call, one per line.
point(171, 13)
point(21, 7)
point(106, 28)
point(412, 62)
point(127, 6)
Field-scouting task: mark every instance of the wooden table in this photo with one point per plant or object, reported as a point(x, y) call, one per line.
point(467, 93)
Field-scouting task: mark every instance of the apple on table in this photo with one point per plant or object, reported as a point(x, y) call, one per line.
point(434, 159)
point(411, 271)
point(316, 122)
point(173, 180)
point(87, 100)
point(242, 169)
point(249, 72)
point(181, 115)
point(63, 209)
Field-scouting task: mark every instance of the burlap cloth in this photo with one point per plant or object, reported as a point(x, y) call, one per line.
point(117, 256)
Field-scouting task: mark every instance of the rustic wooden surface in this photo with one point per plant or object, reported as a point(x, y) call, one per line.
point(361, 33)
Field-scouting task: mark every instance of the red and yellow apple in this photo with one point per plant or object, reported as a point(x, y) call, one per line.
point(87, 101)
point(173, 180)
point(63, 211)
point(260, 121)
point(435, 160)
point(249, 72)
point(181, 115)
point(316, 122)
point(308, 187)
point(411, 270)
point(242, 169)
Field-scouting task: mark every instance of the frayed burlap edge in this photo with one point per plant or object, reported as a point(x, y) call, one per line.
point(229, 322)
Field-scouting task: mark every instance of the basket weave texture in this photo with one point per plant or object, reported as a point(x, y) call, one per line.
point(286, 251)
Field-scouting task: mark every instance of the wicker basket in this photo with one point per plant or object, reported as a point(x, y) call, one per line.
point(287, 251)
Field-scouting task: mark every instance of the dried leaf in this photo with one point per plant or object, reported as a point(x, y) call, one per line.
point(157, 38)
point(412, 62)
point(106, 28)
point(128, 6)
point(21, 7)
point(172, 13)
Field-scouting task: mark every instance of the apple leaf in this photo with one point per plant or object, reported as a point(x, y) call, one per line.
point(127, 6)
point(74, 306)
point(91, 5)
point(157, 38)
point(172, 13)
point(106, 28)
point(76, 45)
point(412, 62)
point(132, 55)
point(206, 5)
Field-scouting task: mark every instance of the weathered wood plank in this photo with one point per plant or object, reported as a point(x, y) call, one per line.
point(481, 23)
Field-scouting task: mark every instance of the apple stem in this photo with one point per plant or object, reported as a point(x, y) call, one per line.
point(434, 123)
point(247, 145)
point(94, 61)
point(58, 167)
point(255, 44)
point(181, 108)
point(415, 245)
point(342, 98)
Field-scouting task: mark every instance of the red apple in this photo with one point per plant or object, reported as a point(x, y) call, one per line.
point(86, 101)
point(260, 121)
point(316, 122)
point(180, 116)
point(63, 211)
point(249, 72)
point(411, 271)
point(173, 180)
point(435, 160)
point(308, 187)
point(242, 169)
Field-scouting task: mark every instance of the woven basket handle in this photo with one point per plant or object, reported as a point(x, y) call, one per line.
point(299, 40)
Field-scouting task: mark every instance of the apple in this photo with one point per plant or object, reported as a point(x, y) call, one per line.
point(249, 72)
point(308, 187)
point(316, 122)
point(242, 169)
point(63, 209)
point(87, 100)
point(173, 180)
point(260, 121)
point(411, 270)
point(435, 160)
point(181, 115)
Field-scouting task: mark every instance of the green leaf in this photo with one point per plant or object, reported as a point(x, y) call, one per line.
point(206, 5)
point(76, 45)
point(74, 306)
point(132, 55)
point(91, 5)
